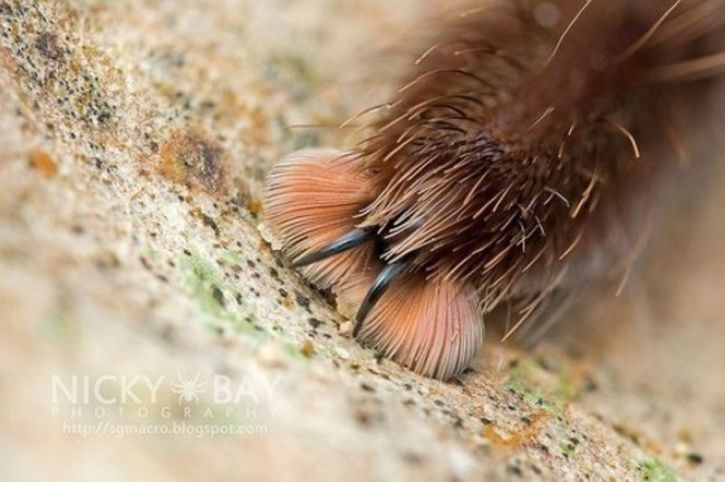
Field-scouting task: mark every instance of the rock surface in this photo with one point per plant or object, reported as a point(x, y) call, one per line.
point(134, 136)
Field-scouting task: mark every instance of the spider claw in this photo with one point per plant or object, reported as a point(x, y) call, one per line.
point(347, 241)
point(379, 286)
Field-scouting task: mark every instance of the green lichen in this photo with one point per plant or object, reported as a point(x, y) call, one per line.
point(206, 285)
point(539, 387)
point(248, 326)
point(151, 253)
point(567, 450)
point(213, 293)
point(233, 257)
point(216, 298)
point(654, 470)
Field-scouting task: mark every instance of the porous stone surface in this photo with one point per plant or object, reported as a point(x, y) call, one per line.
point(134, 138)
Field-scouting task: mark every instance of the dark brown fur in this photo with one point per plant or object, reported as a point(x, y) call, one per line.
point(505, 163)
point(518, 163)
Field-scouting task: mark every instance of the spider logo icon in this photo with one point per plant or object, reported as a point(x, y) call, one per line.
point(188, 390)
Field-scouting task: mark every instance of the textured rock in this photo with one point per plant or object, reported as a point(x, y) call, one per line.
point(133, 139)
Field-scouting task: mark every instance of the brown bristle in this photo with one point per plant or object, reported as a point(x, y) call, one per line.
point(518, 159)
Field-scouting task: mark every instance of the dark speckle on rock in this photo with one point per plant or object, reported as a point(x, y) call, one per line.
point(218, 295)
point(413, 458)
point(49, 46)
point(192, 157)
point(590, 385)
point(302, 300)
point(209, 221)
point(363, 418)
point(515, 470)
point(695, 459)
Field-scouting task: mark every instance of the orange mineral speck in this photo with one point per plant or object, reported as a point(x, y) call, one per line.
point(307, 349)
point(43, 162)
point(519, 438)
point(254, 206)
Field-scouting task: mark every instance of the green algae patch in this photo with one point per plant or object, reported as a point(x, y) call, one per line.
point(567, 450)
point(216, 298)
point(205, 284)
point(540, 387)
point(233, 257)
point(654, 470)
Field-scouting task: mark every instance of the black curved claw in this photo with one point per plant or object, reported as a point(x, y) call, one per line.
point(347, 241)
point(379, 286)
